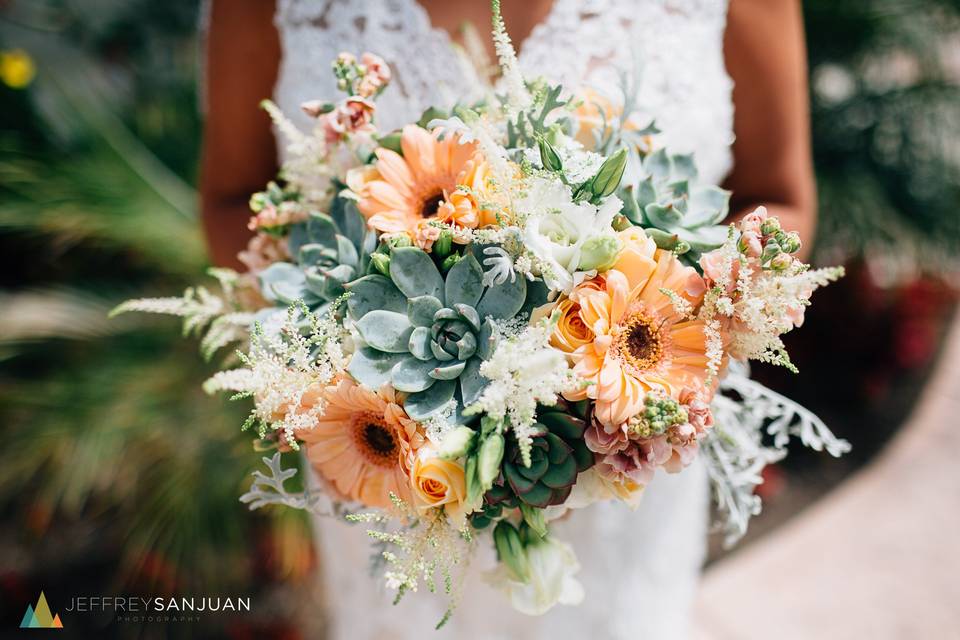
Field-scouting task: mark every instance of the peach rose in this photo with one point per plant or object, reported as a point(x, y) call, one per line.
point(439, 483)
point(570, 332)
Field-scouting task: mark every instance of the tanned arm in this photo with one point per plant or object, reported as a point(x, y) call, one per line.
point(766, 57)
point(239, 156)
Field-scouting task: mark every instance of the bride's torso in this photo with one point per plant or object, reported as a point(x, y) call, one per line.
point(640, 567)
point(581, 43)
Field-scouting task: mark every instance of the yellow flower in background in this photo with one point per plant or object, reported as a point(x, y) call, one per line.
point(17, 69)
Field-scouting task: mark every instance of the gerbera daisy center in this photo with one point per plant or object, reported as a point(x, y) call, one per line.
point(431, 204)
point(641, 342)
point(376, 441)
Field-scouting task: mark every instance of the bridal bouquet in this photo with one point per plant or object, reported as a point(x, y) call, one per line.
point(497, 314)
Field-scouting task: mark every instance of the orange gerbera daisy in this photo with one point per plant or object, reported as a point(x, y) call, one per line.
point(632, 339)
point(364, 443)
point(422, 184)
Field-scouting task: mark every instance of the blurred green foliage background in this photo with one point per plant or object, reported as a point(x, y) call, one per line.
point(118, 475)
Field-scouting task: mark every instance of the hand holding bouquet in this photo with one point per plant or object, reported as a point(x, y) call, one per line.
point(497, 314)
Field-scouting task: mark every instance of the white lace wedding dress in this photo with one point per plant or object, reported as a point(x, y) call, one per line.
point(639, 568)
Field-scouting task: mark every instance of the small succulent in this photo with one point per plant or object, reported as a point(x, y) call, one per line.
point(557, 457)
point(427, 334)
point(680, 213)
point(330, 251)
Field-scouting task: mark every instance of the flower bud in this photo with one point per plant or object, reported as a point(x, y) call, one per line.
point(316, 108)
point(449, 261)
point(381, 262)
point(621, 223)
point(457, 442)
point(769, 226)
point(791, 242)
point(770, 251)
point(682, 247)
point(599, 252)
point(549, 156)
point(489, 459)
point(510, 549)
point(444, 244)
point(781, 262)
point(749, 244)
point(399, 240)
point(609, 175)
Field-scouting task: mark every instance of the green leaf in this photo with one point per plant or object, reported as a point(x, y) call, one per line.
point(283, 282)
point(464, 284)
point(346, 252)
point(426, 403)
point(646, 194)
point(374, 292)
point(350, 221)
point(321, 229)
point(469, 314)
point(414, 273)
point(372, 368)
point(448, 371)
point(684, 166)
point(562, 424)
point(471, 382)
point(539, 496)
point(412, 375)
point(561, 475)
point(503, 301)
point(486, 340)
point(558, 449)
point(313, 253)
point(419, 343)
point(657, 164)
point(385, 330)
point(422, 309)
point(663, 217)
point(520, 484)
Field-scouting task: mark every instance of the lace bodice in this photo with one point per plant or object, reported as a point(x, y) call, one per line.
point(678, 45)
point(639, 568)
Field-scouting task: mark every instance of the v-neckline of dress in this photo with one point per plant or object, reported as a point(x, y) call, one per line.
point(536, 33)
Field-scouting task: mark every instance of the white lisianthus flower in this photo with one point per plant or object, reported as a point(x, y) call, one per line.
point(571, 240)
point(552, 566)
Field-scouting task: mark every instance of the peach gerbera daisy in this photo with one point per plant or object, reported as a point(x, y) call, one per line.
point(422, 184)
point(364, 444)
point(632, 339)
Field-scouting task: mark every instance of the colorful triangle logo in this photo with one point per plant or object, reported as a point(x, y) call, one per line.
point(39, 617)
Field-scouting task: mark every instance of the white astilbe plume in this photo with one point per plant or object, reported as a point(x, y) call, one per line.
point(426, 547)
point(306, 167)
point(518, 98)
point(524, 371)
point(282, 367)
point(197, 306)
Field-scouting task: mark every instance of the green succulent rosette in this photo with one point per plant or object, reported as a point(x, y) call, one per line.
point(557, 456)
point(427, 334)
point(681, 213)
point(330, 251)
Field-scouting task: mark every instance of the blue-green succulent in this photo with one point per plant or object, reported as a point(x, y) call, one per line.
point(680, 212)
point(330, 251)
point(427, 334)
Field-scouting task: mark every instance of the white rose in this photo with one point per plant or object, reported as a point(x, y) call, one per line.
point(552, 566)
point(557, 228)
